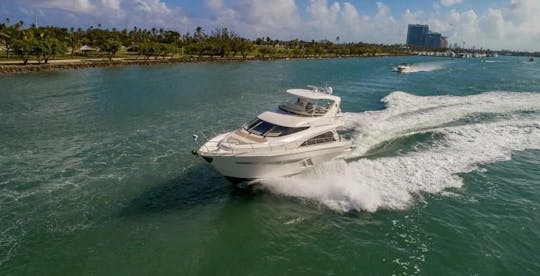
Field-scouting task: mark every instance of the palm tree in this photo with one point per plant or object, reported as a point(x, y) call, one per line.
point(19, 25)
point(198, 33)
point(74, 42)
point(5, 37)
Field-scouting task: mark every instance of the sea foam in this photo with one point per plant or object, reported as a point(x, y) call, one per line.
point(425, 67)
point(392, 182)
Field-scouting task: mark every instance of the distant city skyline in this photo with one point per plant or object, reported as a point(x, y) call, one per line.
point(421, 35)
point(499, 24)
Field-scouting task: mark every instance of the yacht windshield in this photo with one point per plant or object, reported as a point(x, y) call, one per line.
point(261, 128)
point(267, 129)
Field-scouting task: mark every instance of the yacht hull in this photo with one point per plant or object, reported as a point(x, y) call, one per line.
point(402, 70)
point(240, 167)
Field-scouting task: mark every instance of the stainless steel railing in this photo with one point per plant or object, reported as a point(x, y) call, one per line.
point(232, 148)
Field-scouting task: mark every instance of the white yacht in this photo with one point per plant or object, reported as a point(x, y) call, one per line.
point(402, 68)
point(282, 142)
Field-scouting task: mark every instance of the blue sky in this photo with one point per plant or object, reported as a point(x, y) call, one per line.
point(497, 24)
point(197, 8)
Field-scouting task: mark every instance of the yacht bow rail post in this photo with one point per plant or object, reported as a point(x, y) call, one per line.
point(196, 140)
point(205, 134)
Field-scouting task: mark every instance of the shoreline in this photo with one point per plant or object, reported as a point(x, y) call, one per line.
point(64, 65)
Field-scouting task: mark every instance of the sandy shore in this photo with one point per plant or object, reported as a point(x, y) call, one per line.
point(68, 64)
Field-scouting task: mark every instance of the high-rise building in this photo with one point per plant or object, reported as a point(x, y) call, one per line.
point(419, 35)
point(444, 42)
point(416, 34)
point(433, 40)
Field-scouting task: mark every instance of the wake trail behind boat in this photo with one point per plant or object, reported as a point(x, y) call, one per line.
point(391, 182)
point(425, 67)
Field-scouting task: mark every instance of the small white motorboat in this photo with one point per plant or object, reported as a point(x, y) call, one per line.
point(402, 68)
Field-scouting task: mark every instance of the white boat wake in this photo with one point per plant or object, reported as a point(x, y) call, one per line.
point(392, 182)
point(425, 67)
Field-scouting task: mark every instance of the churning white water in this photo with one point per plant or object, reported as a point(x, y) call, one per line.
point(391, 182)
point(425, 67)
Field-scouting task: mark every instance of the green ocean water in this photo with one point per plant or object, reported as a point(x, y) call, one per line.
point(96, 174)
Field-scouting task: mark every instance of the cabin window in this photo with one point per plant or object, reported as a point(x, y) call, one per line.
point(252, 123)
point(279, 131)
point(261, 128)
point(320, 139)
point(291, 130)
point(266, 129)
point(275, 131)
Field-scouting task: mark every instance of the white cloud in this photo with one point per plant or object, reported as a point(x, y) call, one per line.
point(214, 4)
point(109, 13)
point(411, 17)
point(152, 7)
point(350, 15)
point(382, 9)
point(111, 4)
point(322, 18)
point(268, 16)
point(327, 20)
point(254, 18)
point(513, 26)
point(448, 3)
point(82, 6)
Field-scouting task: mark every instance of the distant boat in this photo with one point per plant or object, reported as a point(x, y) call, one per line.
point(402, 68)
point(531, 59)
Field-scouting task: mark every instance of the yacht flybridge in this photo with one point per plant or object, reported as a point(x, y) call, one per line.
point(282, 142)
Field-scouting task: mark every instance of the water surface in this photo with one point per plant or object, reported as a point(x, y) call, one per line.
point(97, 176)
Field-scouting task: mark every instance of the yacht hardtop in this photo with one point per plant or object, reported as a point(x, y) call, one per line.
point(304, 105)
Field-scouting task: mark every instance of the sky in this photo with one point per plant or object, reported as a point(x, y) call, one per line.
point(495, 24)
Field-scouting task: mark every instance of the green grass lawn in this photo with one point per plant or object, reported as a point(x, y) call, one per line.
point(96, 55)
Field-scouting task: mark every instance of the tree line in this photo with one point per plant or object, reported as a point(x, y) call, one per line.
point(44, 43)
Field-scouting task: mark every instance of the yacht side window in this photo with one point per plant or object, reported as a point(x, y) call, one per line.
point(276, 131)
point(291, 130)
point(279, 131)
point(320, 139)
